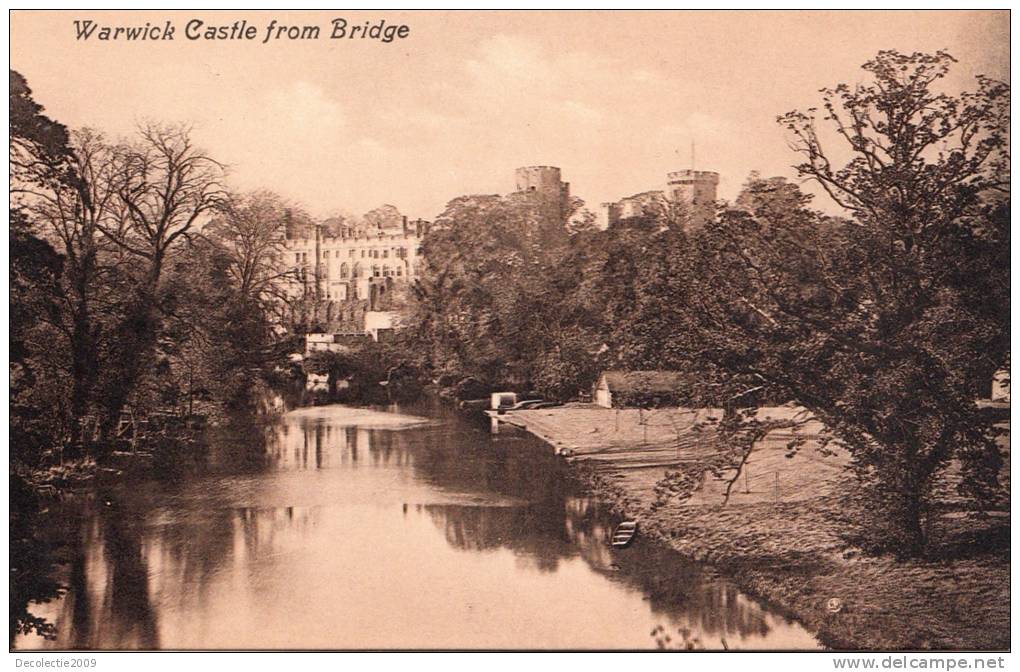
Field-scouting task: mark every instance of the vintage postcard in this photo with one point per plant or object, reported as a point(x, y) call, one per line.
point(510, 331)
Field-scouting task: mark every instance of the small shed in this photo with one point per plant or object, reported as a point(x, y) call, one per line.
point(500, 400)
point(627, 386)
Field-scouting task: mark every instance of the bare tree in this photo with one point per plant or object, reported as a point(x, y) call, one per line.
point(165, 186)
point(250, 229)
point(70, 213)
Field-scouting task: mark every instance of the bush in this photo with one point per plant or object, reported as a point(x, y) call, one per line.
point(471, 388)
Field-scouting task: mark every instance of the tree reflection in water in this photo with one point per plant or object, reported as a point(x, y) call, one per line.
point(687, 594)
point(147, 565)
point(108, 591)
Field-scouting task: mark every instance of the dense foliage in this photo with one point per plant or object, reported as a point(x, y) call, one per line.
point(140, 289)
point(141, 286)
point(885, 325)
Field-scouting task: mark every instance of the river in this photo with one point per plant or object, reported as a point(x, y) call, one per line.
point(341, 528)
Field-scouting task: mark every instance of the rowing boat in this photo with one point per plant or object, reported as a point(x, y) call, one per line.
point(624, 534)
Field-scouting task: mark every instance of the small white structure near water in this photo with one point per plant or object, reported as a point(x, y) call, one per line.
point(1000, 385)
point(316, 382)
point(377, 321)
point(632, 383)
point(502, 400)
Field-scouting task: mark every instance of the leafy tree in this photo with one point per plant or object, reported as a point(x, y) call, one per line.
point(886, 327)
point(383, 217)
point(38, 145)
point(487, 303)
point(34, 274)
point(40, 161)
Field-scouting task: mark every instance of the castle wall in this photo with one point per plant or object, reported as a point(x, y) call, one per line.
point(350, 270)
point(546, 181)
point(608, 215)
point(694, 188)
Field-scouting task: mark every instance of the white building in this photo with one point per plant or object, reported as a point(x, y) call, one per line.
point(334, 261)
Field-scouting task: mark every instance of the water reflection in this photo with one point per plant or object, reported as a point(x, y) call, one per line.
point(339, 528)
point(687, 595)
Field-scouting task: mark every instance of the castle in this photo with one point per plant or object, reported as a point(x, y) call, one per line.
point(350, 278)
point(694, 190)
point(546, 182)
point(353, 273)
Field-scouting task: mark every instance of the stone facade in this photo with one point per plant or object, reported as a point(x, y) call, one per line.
point(696, 188)
point(546, 181)
point(346, 270)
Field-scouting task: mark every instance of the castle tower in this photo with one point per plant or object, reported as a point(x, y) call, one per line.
point(608, 216)
point(545, 181)
point(695, 188)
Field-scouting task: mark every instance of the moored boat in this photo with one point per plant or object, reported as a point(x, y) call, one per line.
point(624, 534)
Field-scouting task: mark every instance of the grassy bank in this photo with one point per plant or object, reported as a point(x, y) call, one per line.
point(789, 554)
point(787, 550)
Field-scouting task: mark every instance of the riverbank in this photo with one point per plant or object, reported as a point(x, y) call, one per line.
point(778, 538)
point(344, 516)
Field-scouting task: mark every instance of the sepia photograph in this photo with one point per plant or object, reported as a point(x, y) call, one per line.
point(516, 330)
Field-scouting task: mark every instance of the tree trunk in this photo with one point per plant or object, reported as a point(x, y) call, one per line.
point(137, 340)
point(913, 523)
point(910, 508)
point(83, 374)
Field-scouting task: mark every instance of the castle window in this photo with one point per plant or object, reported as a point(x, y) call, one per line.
point(338, 254)
point(399, 272)
point(343, 271)
point(375, 271)
point(297, 257)
point(385, 253)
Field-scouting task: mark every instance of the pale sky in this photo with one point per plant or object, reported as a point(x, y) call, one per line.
point(613, 98)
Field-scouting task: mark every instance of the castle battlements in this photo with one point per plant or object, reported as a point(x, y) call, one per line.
point(695, 189)
point(545, 181)
point(699, 175)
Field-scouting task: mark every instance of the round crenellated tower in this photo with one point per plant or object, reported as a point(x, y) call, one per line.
point(696, 188)
point(693, 186)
